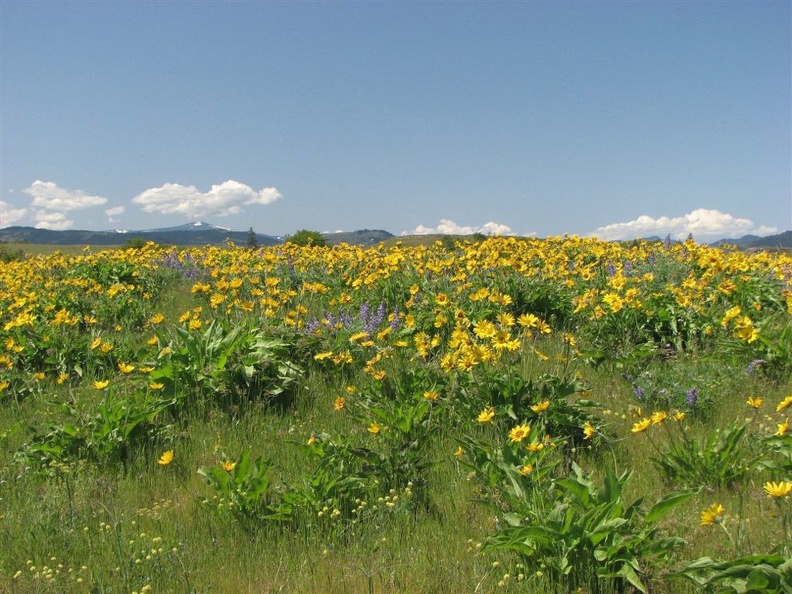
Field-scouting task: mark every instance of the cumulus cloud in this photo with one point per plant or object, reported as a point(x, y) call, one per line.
point(9, 214)
point(112, 213)
point(448, 227)
point(49, 196)
point(225, 199)
point(55, 221)
point(702, 223)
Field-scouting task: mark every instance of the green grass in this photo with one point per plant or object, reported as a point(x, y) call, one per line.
point(109, 519)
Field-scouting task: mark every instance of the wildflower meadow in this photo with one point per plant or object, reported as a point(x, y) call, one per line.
point(559, 415)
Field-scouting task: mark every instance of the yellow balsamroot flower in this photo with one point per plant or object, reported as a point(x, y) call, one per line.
point(540, 354)
point(784, 404)
point(528, 320)
point(374, 428)
point(227, 465)
point(125, 368)
point(430, 395)
point(754, 402)
point(641, 425)
point(613, 301)
point(358, 336)
point(731, 314)
point(569, 339)
point(101, 384)
point(658, 417)
point(157, 319)
point(505, 319)
point(339, 403)
point(588, 430)
point(783, 428)
point(459, 452)
point(484, 329)
point(541, 407)
point(156, 386)
point(544, 328)
point(486, 415)
point(525, 469)
point(166, 458)
point(712, 515)
point(781, 489)
point(518, 433)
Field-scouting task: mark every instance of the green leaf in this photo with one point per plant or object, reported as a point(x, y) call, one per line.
point(512, 519)
point(242, 468)
point(667, 503)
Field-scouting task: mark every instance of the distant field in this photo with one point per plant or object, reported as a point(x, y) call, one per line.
point(38, 249)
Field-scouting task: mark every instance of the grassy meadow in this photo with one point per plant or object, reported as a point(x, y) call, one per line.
point(494, 415)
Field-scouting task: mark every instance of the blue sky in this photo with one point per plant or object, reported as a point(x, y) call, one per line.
point(618, 119)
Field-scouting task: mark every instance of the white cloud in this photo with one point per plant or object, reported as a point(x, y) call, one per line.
point(221, 200)
point(448, 227)
point(48, 195)
point(56, 221)
point(112, 213)
point(702, 223)
point(10, 215)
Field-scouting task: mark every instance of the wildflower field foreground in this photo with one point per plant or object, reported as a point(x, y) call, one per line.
point(506, 415)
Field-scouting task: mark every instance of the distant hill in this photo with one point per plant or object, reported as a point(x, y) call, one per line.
point(781, 240)
point(193, 234)
point(190, 234)
point(362, 237)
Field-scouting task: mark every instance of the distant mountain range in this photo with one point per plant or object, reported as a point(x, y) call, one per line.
point(781, 240)
point(201, 233)
point(196, 233)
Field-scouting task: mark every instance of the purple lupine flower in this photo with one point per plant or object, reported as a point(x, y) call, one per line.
point(374, 321)
point(667, 242)
point(610, 269)
point(363, 314)
point(639, 392)
point(395, 321)
point(692, 396)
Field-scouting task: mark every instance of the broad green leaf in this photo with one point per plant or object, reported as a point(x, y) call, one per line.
point(667, 503)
